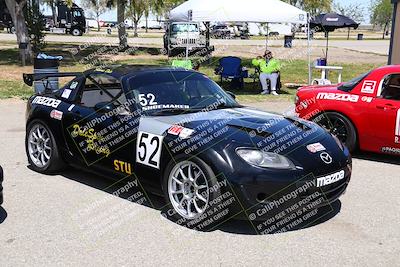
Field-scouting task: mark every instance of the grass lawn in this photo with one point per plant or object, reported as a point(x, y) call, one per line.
point(296, 71)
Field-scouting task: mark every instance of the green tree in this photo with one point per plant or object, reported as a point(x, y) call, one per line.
point(52, 5)
point(352, 10)
point(97, 8)
point(121, 6)
point(381, 15)
point(16, 9)
point(314, 7)
point(135, 11)
point(36, 26)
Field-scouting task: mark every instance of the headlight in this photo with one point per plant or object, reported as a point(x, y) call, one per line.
point(265, 159)
point(296, 99)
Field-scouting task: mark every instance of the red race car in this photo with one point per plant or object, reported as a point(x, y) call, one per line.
point(363, 113)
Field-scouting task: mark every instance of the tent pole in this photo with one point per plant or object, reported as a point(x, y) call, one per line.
point(327, 47)
point(309, 49)
point(267, 38)
point(187, 42)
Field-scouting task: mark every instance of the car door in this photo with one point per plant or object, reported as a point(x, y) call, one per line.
point(100, 127)
point(384, 115)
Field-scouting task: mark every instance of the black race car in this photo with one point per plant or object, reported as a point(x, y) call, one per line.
point(183, 137)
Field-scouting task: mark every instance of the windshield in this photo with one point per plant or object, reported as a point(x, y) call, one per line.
point(348, 86)
point(185, 28)
point(179, 92)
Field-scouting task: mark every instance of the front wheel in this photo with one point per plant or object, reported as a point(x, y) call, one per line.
point(41, 148)
point(340, 126)
point(191, 188)
point(76, 32)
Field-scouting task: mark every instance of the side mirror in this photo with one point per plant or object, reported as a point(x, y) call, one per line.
point(231, 94)
point(104, 107)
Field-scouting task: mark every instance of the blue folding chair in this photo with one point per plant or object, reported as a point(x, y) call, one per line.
point(230, 68)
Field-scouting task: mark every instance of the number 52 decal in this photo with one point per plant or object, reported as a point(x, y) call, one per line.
point(148, 149)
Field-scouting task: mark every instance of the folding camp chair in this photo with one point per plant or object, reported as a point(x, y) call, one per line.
point(230, 68)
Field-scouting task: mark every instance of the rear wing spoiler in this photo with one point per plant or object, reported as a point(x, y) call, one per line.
point(30, 78)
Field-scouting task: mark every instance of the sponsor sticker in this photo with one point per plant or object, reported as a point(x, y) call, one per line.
point(180, 131)
point(73, 85)
point(368, 87)
point(175, 130)
point(315, 148)
point(367, 99)
point(56, 114)
point(330, 179)
point(338, 97)
point(391, 150)
point(122, 166)
point(66, 93)
point(46, 101)
point(186, 133)
point(71, 107)
point(397, 128)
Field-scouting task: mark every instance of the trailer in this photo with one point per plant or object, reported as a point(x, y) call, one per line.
point(70, 19)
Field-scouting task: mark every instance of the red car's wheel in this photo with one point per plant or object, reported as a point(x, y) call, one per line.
point(340, 126)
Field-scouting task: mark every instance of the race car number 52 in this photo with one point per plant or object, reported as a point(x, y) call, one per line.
point(148, 149)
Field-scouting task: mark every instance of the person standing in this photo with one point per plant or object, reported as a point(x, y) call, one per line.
point(269, 70)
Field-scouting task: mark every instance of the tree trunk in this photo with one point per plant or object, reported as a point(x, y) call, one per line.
point(54, 13)
point(98, 21)
point(16, 9)
point(147, 24)
point(123, 38)
point(384, 31)
point(348, 34)
point(135, 26)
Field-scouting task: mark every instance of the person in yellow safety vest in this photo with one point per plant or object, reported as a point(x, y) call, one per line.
point(269, 68)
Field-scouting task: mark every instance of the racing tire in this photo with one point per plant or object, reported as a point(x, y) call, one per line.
point(188, 196)
point(41, 149)
point(340, 126)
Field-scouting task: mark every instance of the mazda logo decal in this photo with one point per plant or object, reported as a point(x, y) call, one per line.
point(326, 158)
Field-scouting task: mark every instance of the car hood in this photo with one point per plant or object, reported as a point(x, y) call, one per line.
point(226, 130)
point(241, 125)
point(319, 88)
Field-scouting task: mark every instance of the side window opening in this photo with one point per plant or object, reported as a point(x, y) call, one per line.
point(391, 87)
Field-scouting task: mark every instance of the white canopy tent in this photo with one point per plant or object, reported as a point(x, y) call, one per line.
point(272, 11)
point(259, 11)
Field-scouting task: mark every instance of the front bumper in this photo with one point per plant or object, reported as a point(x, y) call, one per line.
point(282, 194)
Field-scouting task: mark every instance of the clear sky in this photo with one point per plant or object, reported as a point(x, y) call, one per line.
point(365, 4)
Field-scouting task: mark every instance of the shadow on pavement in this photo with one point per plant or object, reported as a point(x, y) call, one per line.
point(377, 157)
point(235, 226)
point(246, 228)
point(3, 215)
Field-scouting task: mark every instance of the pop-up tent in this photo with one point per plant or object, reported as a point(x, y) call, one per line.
point(271, 11)
point(260, 11)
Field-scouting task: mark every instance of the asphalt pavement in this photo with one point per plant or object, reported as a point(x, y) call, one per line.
point(70, 219)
